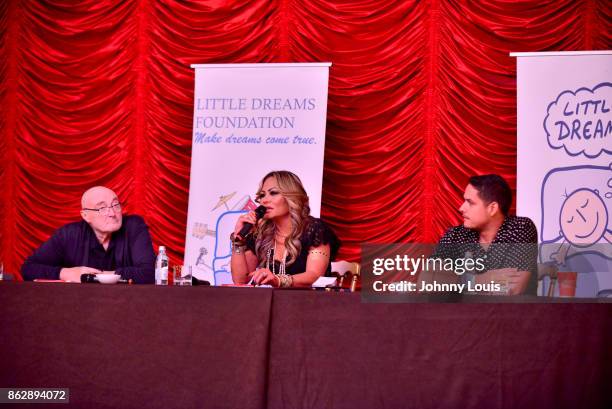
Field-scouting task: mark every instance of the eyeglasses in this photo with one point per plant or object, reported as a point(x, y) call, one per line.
point(106, 209)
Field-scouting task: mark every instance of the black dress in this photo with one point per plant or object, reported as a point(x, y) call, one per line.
point(316, 233)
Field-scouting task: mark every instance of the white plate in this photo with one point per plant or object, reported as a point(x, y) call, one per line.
point(108, 278)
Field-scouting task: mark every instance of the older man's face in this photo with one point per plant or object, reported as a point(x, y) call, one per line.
point(109, 217)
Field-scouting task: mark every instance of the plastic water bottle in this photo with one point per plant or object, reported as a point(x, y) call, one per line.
point(161, 267)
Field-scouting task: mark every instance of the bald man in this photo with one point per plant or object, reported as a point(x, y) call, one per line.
point(105, 241)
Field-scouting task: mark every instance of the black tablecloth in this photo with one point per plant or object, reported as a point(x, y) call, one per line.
point(137, 346)
point(329, 350)
point(168, 347)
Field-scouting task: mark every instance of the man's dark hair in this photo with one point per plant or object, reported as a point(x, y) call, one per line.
point(493, 188)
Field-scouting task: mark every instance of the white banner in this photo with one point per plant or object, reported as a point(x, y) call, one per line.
point(564, 166)
point(248, 120)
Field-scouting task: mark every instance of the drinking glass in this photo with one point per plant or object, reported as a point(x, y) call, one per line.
point(182, 275)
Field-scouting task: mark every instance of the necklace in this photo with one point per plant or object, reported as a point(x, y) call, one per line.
point(282, 270)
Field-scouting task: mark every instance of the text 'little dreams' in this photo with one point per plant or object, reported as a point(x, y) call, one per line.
point(255, 104)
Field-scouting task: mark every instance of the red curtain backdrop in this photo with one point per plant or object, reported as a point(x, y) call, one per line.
point(421, 95)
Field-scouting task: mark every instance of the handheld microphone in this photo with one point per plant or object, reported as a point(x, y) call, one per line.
point(246, 228)
point(89, 278)
point(203, 252)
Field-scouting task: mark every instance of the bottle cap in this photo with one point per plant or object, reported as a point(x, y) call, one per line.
point(162, 248)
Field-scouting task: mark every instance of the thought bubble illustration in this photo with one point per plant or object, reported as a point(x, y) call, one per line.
point(581, 121)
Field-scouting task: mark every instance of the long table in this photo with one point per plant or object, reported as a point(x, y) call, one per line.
point(129, 346)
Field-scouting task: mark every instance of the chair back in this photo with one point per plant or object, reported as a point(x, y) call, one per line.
point(347, 273)
point(549, 270)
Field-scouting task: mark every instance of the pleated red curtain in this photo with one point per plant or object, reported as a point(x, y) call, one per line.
point(421, 95)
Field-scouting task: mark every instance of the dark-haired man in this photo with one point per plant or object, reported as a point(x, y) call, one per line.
point(506, 244)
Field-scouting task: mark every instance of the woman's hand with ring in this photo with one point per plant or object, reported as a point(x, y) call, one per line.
point(264, 276)
point(258, 275)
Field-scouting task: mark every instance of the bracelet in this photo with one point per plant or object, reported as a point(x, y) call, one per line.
point(324, 254)
point(236, 241)
point(284, 280)
point(238, 249)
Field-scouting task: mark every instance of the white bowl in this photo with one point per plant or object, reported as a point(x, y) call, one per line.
point(108, 278)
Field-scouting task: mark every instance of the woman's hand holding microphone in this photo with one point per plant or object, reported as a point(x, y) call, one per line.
point(249, 217)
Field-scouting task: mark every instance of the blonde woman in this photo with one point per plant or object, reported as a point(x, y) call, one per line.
point(287, 247)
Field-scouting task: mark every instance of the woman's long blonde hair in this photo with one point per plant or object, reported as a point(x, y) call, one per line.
point(292, 190)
